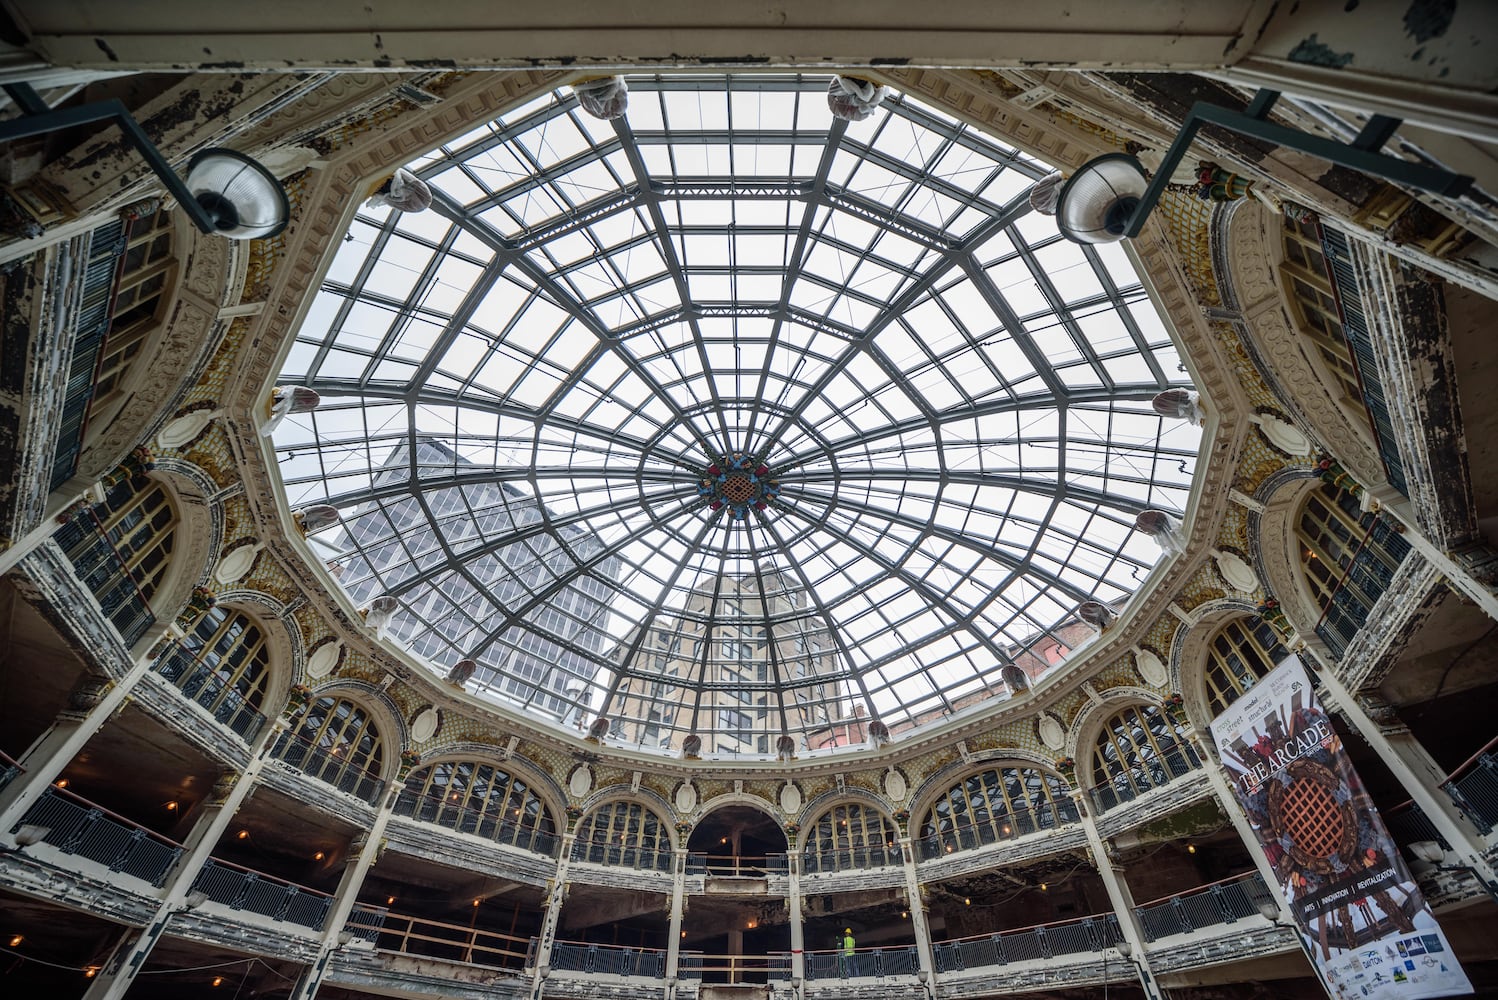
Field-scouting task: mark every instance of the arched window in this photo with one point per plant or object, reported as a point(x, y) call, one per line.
point(145, 272)
point(624, 833)
point(1308, 284)
point(120, 550)
point(1000, 803)
point(478, 798)
point(851, 836)
point(1239, 654)
point(1349, 557)
point(1137, 750)
point(337, 742)
point(222, 664)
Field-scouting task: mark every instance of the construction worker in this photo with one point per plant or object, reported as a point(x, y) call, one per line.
point(845, 963)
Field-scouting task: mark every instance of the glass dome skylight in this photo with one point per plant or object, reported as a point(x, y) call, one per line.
point(731, 420)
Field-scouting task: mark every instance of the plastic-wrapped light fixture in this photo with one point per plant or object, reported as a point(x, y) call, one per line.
point(1099, 199)
point(244, 200)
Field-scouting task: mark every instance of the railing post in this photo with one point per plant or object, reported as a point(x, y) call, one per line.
point(1182, 917)
point(1045, 945)
point(1222, 904)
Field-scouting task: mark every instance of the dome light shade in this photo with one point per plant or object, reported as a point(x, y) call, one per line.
point(1098, 200)
point(245, 200)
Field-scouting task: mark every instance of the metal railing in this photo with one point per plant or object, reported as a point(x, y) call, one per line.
point(849, 859)
point(76, 826)
point(1144, 776)
point(862, 963)
point(734, 969)
point(1017, 823)
point(256, 892)
point(9, 768)
point(394, 932)
point(607, 959)
point(1027, 944)
point(442, 812)
point(1473, 787)
point(1218, 903)
point(101, 270)
point(101, 568)
point(203, 685)
point(1344, 280)
point(318, 763)
point(1370, 573)
point(1408, 824)
point(622, 856)
point(743, 867)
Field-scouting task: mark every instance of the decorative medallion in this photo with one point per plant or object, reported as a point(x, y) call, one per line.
point(895, 786)
point(739, 482)
point(324, 659)
point(1052, 733)
point(580, 781)
point(426, 724)
point(1235, 572)
point(235, 564)
point(184, 428)
point(686, 797)
point(1284, 436)
point(790, 798)
point(1151, 668)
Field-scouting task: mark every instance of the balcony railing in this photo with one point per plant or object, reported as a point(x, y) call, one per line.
point(1408, 824)
point(76, 826)
point(255, 892)
point(96, 297)
point(1218, 903)
point(1474, 788)
point(731, 866)
point(484, 823)
point(9, 768)
point(863, 963)
point(622, 856)
point(203, 684)
point(106, 573)
point(1370, 573)
point(1338, 256)
point(1018, 823)
point(1028, 944)
point(1146, 775)
point(342, 774)
point(734, 969)
point(850, 859)
point(609, 960)
point(394, 932)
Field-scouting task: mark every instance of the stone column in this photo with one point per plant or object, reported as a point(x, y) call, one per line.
point(678, 911)
point(93, 700)
point(554, 899)
point(228, 795)
point(917, 909)
point(793, 901)
point(366, 849)
point(1123, 903)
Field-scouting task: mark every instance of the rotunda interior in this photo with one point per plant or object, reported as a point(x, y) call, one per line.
point(691, 525)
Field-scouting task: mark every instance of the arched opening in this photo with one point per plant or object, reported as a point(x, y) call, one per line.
point(1348, 557)
point(998, 803)
point(120, 550)
point(624, 833)
point(732, 935)
point(477, 797)
point(1240, 652)
point(222, 664)
point(337, 742)
point(1137, 750)
point(850, 836)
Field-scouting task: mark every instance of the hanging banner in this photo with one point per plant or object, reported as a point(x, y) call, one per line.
point(1364, 921)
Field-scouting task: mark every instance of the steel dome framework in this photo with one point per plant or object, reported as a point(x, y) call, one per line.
point(727, 410)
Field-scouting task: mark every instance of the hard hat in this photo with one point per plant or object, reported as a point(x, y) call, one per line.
point(847, 930)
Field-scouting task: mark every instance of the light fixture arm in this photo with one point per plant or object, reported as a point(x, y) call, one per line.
point(1361, 154)
point(39, 119)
